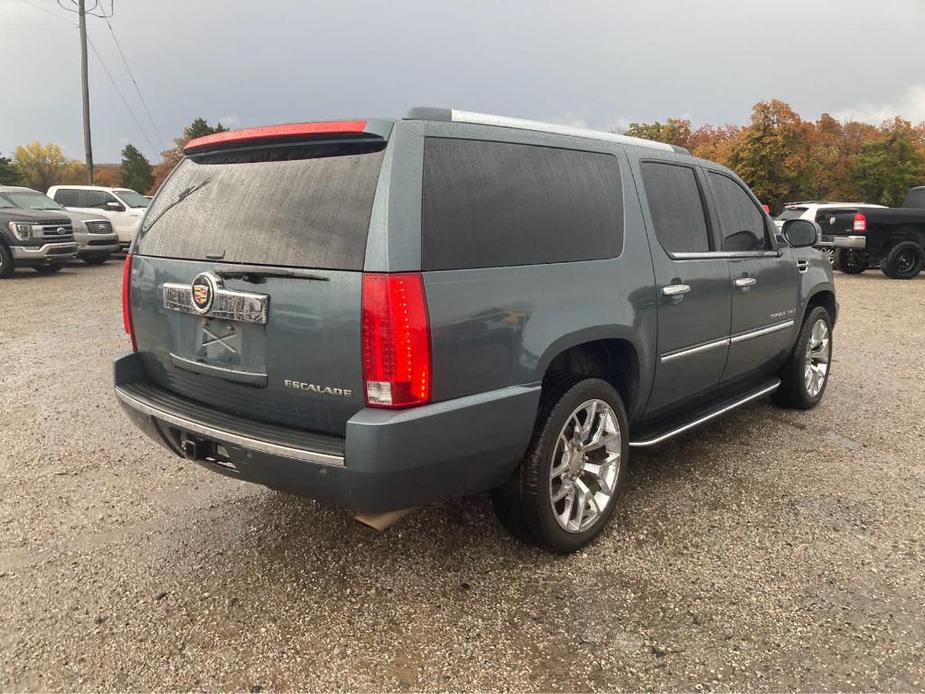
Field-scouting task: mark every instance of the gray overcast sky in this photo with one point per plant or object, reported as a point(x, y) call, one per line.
point(599, 64)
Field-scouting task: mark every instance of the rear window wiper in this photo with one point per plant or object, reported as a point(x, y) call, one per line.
point(259, 275)
point(183, 195)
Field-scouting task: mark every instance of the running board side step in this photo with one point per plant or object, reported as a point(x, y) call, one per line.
point(653, 437)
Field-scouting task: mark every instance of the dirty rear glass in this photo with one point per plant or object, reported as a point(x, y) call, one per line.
point(306, 206)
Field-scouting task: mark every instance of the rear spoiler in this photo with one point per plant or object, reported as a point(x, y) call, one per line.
point(291, 132)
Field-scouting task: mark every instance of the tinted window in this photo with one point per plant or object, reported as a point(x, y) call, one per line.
point(131, 198)
point(792, 213)
point(67, 197)
point(676, 207)
point(96, 198)
point(298, 206)
point(741, 220)
point(489, 204)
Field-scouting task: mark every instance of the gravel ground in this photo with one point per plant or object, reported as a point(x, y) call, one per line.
point(771, 550)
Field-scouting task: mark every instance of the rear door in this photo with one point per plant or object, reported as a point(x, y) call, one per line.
point(247, 281)
point(764, 281)
point(693, 285)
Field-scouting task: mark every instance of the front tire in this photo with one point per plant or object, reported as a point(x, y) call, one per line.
point(806, 374)
point(903, 261)
point(6, 262)
point(48, 269)
point(564, 492)
point(850, 262)
point(96, 259)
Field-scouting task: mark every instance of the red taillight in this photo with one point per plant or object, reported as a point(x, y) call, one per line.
point(766, 208)
point(396, 340)
point(860, 223)
point(127, 300)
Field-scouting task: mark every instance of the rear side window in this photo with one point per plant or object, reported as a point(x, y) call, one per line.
point(676, 206)
point(741, 220)
point(67, 197)
point(792, 213)
point(295, 206)
point(492, 204)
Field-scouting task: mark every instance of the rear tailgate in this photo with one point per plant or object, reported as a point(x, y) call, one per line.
point(246, 282)
point(836, 222)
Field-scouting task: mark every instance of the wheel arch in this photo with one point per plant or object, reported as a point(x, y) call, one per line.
point(610, 354)
point(822, 295)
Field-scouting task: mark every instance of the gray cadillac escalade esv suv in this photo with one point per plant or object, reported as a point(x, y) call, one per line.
point(382, 314)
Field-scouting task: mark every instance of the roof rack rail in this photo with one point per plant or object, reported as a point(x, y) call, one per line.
point(453, 115)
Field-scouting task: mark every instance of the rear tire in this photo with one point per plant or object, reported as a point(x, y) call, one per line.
point(806, 374)
point(850, 262)
point(564, 492)
point(96, 259)
point(48, 269)
point(6, 262)
point(903, 261)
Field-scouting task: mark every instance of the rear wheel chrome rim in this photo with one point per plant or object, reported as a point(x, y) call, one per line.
point(818, 354)
point(585, 465)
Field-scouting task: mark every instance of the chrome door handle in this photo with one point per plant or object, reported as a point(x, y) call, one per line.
point(743, 282)
point(676, 289)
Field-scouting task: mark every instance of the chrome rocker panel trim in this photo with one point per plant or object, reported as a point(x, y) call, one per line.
point(228, 437)
point(705, 418)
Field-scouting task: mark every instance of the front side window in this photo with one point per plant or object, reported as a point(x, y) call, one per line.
point(741, 220)
point(495, 204)
point(676, 207)
point(97, 198)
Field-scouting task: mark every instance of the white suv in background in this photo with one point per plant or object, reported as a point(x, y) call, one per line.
point(820, 212)
point(122, 206)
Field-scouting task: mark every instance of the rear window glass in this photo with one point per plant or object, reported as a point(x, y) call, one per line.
point(293, 206)
point(492, 204)
point(676, 206)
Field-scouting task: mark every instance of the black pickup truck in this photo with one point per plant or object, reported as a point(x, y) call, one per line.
point(891, 238)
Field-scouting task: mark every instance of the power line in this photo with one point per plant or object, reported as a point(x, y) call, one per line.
point(137, 88)
point(121, 95)
point(106, 69)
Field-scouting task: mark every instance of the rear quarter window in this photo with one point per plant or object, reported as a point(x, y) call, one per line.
point(299, 207)
point(493, 204)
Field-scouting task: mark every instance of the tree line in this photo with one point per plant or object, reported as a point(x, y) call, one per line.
point(41, 165)
point(780, 155)
point(784, 158)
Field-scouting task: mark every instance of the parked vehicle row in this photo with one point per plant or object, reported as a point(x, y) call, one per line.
point(383, 314)
point(101, 221)
point(858, 236)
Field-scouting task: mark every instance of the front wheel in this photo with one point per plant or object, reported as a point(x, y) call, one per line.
point(564, 492)
point(6, 262)
point(96, 259)
point(806, 373)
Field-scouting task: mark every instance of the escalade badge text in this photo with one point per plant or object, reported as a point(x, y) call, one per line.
point(204, 287)
point(323, 390)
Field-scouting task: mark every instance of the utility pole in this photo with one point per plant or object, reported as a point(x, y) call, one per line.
point(85, 85)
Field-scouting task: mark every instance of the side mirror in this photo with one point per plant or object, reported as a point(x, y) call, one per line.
point(801, 233)
point(114, 206)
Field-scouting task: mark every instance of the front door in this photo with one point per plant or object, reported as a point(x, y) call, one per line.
point(694, 294)
point(764, 283)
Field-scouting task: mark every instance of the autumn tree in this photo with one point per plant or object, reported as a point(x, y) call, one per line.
point(886, 168)
point(772, 154)
point(674, 131)
point(9, 174)
point(136, 169)
point(41, 165)
point(715, 142)
point(107, 175)
point(829, 162)
point(171, 157)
